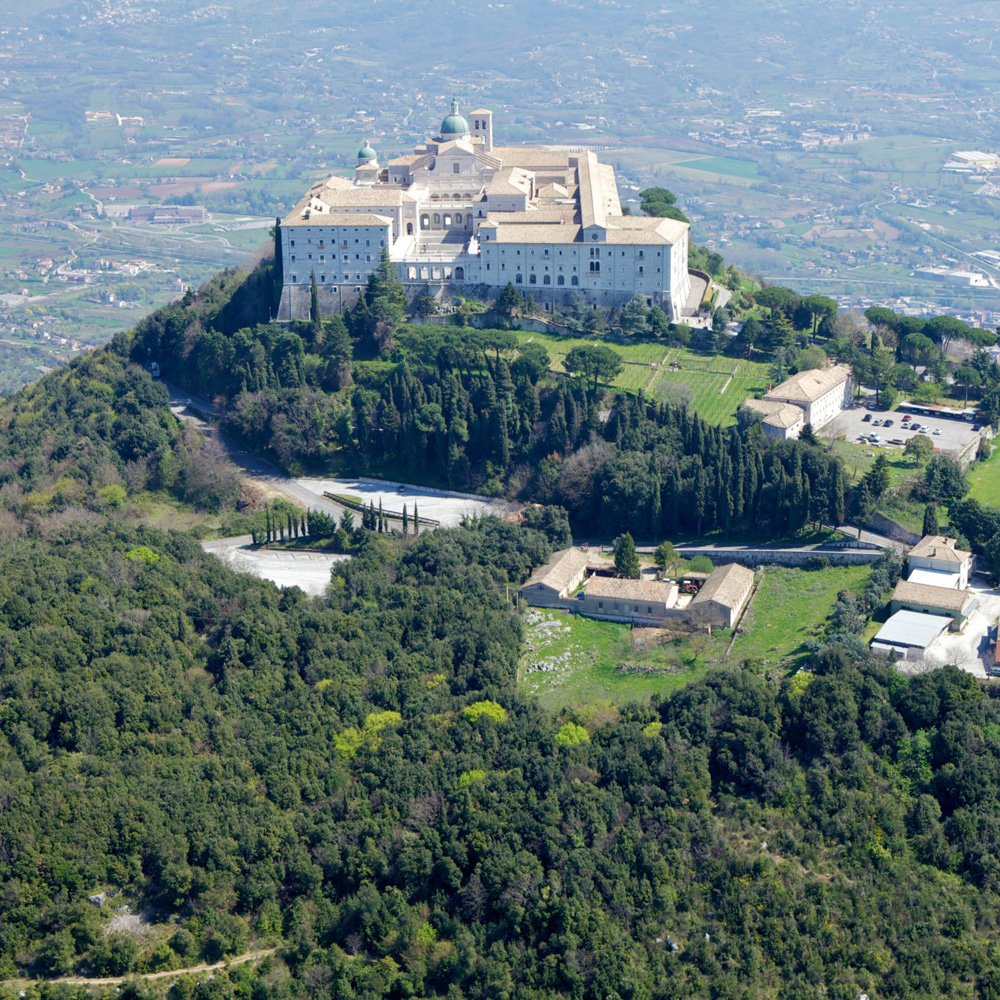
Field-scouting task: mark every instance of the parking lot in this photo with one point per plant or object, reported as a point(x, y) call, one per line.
point(954, 437)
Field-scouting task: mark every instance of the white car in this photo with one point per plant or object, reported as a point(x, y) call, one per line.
point(937, 430)
point(923, 430)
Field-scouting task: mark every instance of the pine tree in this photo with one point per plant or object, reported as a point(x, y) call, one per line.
point(626, 558)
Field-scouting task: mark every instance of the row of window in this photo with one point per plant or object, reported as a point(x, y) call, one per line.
point(322, 279)
point(635, 607)
point(346, 258)
point(594, 252)
point(368, 243)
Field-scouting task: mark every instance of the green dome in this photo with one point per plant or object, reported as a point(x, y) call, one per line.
point(454, 124)
point(366, 152)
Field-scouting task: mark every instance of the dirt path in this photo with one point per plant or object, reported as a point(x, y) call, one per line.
point(250, 956)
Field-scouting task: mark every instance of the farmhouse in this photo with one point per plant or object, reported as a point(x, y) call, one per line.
point(723, 597)
point(820, 393)
point(551, 585)
point(641, 602)
point(935, 561)
point(460, 210)
point(956, 605)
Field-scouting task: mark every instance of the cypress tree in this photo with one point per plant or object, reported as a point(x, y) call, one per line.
point(406, 521)
point(931, 526)
point(416, 519)
point(313, 301)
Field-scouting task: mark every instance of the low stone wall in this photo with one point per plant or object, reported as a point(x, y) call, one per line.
point(883, 525)
point(782, 557)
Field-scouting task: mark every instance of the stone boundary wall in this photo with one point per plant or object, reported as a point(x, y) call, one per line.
point(883, 525)
point(431, 491)
point(783, 557)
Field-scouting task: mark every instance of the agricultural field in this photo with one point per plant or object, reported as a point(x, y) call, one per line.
point(639, 359)
point(717, 385)
point(571, 661)
point(790, 606)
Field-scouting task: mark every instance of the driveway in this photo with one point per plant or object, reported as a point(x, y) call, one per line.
point(967, 648)
point(308, 570)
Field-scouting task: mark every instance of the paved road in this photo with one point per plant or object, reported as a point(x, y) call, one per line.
point(268, 476)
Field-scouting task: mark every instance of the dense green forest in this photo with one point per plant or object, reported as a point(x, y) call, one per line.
point(358, 781)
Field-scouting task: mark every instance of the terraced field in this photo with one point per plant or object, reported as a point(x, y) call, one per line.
point(720, 384)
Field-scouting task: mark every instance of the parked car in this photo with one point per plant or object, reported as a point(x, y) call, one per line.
point(888, 423)
point(976, 427)
point(874, 438)
point(923, 430)
point(907, 418)
point(866, 418)
point(876, 423)
point(914, 426)
point(937, 430)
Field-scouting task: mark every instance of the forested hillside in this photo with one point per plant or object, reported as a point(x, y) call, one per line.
point(359, 782)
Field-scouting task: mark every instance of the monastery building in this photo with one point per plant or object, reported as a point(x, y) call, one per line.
point(461, 211)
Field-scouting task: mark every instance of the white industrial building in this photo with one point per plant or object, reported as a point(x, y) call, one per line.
point(462, 211)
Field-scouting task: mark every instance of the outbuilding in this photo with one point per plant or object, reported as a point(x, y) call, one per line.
point(907, 635)
point(552, 585)
point(721, 601)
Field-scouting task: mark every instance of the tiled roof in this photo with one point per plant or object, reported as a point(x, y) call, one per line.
point(932, 597)
point(775, 413)
point(940, 547)
point(726, 586)
point(560, 570)
point(631, 590)
point(808, 386)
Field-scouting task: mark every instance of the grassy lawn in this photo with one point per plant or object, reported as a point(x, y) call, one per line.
point(570, 661)
point(790, 606)
point(985, 480)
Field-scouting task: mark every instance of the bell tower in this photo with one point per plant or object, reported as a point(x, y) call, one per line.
point(482, 127)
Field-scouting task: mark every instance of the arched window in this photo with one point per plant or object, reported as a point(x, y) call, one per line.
point(560, 280)
point(437, 219)
point(574, 280)
point(458, 218)
point(411, 273)
point(447, 220)
point(460, 273)
point(547, 279)
point(409, 229)
point(518, 279)
point(532, 280)
point(425, 222)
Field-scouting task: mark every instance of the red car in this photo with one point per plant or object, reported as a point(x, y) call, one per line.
point(907, 418)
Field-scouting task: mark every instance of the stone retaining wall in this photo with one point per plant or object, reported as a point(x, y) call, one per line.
point(883, 525)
